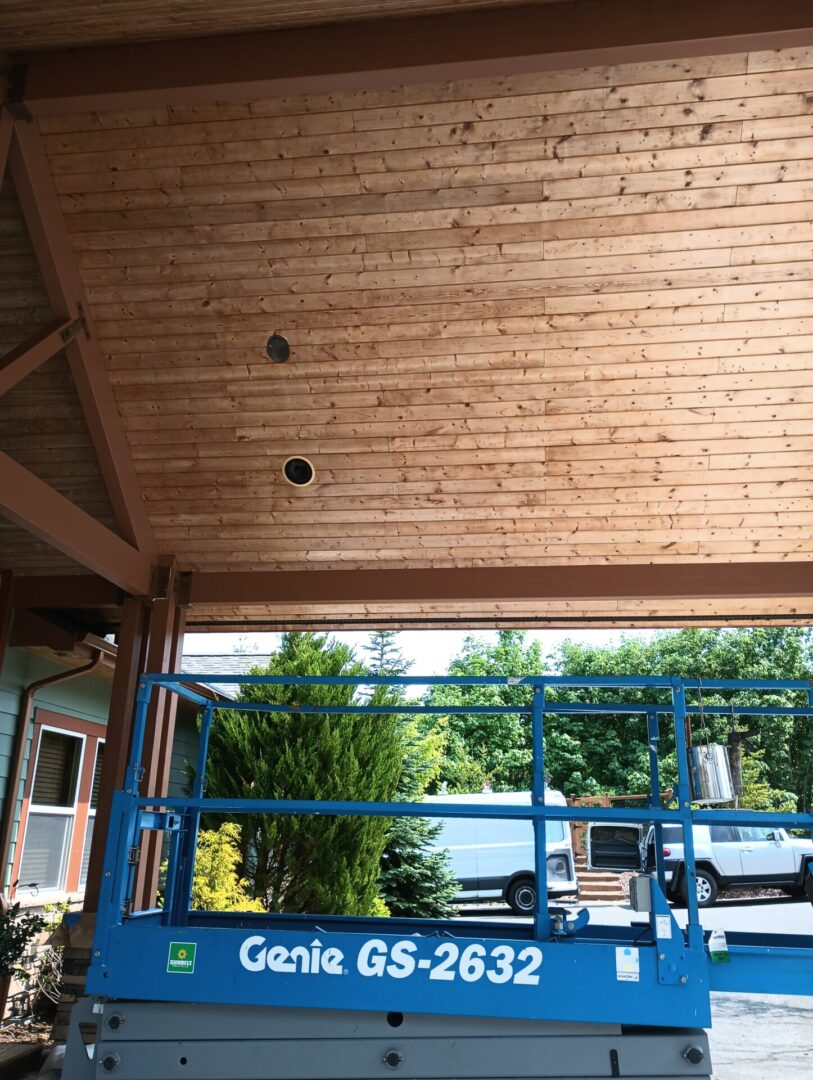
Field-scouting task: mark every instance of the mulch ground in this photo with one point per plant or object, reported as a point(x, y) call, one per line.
point(29, 1030)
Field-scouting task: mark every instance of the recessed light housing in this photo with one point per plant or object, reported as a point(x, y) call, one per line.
point(277, 348)
point(298, 471)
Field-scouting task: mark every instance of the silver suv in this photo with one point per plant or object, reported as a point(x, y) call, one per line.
point(725, 856)
point(730, 856)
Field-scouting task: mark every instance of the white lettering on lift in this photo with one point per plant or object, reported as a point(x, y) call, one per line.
point(257, 955)
point(500, 965)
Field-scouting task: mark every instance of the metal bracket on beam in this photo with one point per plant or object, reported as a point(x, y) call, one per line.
point(78, 326)
point(161, 582)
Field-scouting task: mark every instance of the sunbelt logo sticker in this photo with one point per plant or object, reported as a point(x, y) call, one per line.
point(181, 957)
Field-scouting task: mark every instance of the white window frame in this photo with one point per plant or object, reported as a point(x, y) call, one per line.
point(42, 894)
point(91, 814)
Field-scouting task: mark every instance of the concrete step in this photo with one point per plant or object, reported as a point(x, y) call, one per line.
point(588, 883)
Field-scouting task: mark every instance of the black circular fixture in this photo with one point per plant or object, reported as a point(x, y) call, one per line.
point(298, 471)
point(277, 348)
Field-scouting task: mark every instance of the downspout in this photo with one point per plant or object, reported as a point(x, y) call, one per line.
point(20, 743)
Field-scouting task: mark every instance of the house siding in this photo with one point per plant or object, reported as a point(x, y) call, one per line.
point(85, 698)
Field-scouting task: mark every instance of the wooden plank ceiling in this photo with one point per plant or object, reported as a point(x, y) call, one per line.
point(553, 318)
point(36, 25)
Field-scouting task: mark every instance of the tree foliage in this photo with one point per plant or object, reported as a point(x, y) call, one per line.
point(216, 883)
point(415, 881)
point(307, 863)
point(489, 747)
point(614, 747)
point(587, 754)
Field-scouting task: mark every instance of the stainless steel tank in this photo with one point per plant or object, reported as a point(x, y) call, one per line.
point(711, 774)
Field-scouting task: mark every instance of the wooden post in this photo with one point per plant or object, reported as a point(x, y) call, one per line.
point(130, 663)
point(164, 654)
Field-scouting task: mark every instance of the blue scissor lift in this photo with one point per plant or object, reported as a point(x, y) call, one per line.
point(239, 996)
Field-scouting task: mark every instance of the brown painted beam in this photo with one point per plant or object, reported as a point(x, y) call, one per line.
point(6, 609)
point(391, 52)
point(6, 131)
point(52, 246)
point(56, 591)
point(34, 351)
point(30, 503)
point(662, 581)
point(32, 631)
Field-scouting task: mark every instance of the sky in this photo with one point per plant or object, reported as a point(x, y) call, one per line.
point(429, 650)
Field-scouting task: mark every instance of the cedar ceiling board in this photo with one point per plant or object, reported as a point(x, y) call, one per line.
point(37, 25)
point(517, 335)
point(551, 318)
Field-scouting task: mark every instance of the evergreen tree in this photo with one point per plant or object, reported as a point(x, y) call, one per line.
point(305, 863)
point(385, 654)
point(415, 881)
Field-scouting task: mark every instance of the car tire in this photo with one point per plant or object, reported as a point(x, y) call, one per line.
point(707, 887)
point(521, 896)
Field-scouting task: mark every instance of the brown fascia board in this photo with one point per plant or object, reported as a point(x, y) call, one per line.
point(657, 581)
point(388, 52)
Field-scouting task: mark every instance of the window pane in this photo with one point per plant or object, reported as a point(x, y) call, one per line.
point(83, 873)
point(97, 776)
point(57, 769)
point(555, 832)
point(672, 834)
point(754, 833)
point(722, 834)
point(43, 861)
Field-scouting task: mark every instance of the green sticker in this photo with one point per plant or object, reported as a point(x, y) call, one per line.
point(182, 957)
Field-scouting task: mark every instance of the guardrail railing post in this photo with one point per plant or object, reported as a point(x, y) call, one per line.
point(694, 929)
point(188, 842)
point(541, 914)
point(653, 738)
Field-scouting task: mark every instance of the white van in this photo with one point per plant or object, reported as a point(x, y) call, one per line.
point(493, 858)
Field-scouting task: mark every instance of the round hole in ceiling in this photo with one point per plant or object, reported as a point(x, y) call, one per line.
point(277, 348)
point(298, 471)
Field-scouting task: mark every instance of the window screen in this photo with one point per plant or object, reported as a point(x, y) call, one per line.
point(83, 872)
point(97, 777)
point(43, 862)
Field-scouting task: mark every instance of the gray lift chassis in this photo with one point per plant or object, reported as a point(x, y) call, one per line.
point(158, 1041)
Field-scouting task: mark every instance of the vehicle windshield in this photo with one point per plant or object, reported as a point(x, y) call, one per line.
point(555, 832)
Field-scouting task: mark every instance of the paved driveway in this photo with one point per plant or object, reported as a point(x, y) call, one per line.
point(754, 1037)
